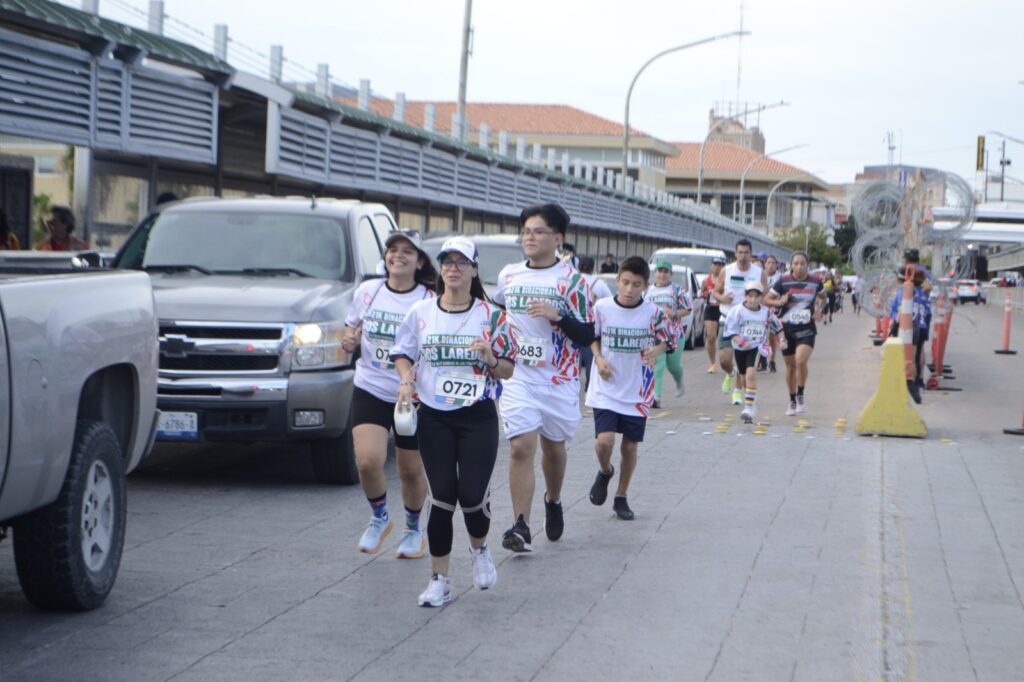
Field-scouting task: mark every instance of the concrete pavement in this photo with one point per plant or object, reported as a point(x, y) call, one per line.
point(793, 556)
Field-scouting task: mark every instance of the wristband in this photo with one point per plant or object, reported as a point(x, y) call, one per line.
point(494, 366)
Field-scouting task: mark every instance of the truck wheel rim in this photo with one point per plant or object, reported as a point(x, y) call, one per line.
point(97, 517)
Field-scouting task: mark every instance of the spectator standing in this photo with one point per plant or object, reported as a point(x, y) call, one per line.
point(60, 225)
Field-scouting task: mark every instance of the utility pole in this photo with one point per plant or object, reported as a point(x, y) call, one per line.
point(467, 30)
point(1003, 163)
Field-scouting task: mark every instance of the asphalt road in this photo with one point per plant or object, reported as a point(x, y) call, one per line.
point(789, 556)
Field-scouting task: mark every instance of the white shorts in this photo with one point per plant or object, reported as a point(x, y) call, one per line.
point(552, 409)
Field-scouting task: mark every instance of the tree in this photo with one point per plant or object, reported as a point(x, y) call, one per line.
point(845, 236)
point(818, 249)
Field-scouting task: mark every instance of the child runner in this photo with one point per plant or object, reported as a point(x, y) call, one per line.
point(461, 347)
point(747, 326)
point(801, 297)
point(675, 303)
point(712, 313)
point(377, 310)
point(551, 318)
point(729, 292)
point(631, 334)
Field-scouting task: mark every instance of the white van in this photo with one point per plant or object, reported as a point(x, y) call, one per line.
point(698, 260)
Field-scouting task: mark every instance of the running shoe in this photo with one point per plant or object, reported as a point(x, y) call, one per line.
point(747, 415)
point(737, 397)
point(413, 544)
point(772, 368)
point(915, 391)
point(554, 524)
point(680, 388)
point(484, 572)
point(791, 410)
point(517, 538)
point(375, 534)
point(801, 404)
point(727, 384)
point(622, 509)
point(438, 592)
point(599, 491)
point(656, 404)
point(713, 368)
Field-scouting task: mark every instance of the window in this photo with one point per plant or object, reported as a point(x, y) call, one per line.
point(385, 225)
point(368, 246)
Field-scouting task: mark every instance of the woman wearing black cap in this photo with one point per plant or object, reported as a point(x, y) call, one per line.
point(378, 309)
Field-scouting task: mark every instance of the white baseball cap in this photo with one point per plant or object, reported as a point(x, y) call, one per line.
point(754, 285)
point(460, 245)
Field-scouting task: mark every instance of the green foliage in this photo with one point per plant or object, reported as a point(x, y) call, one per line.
point(818, 249)
point(845, 236)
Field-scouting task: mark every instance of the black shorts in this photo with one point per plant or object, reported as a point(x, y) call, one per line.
point(369, 409)
point(610, 421)
point(712, 313)
point(798, 337)
point(745, 359)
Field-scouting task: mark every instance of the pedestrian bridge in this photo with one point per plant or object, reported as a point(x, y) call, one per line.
point(156, 109)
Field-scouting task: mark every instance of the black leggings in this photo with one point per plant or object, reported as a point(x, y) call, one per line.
point(459, 449)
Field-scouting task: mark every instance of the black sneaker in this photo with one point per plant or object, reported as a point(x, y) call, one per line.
point(517, 538)
point(554, 524)
point(771, 367)
point(599, 491)
point(622, 509)
point(915, 391)
point(656, 405)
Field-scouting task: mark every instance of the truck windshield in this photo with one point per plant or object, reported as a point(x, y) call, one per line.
point(261, 244)
point(695, 261)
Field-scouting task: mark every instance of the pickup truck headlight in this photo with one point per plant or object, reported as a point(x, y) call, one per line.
point(318, 346)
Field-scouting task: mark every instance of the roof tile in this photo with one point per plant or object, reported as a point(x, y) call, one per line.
point(725, 156)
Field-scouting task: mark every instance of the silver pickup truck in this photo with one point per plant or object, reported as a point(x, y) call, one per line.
point(251, 296)
point(78, 372)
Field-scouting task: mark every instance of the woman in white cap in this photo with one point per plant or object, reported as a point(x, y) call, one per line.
point(378, 309)
point(452, 353)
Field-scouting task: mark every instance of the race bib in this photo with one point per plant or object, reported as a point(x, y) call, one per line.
point(381, 354)
point(533, 352)
point(752, 331)
point(802, 316)
point(457, 388)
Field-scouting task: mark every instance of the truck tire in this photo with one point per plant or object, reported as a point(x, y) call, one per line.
point(68, 553)
point(334, 460)
point(691, 339)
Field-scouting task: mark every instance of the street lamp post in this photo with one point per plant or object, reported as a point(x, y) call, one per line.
point(771, 216)
point(807, 237)
point(743, 176)
point(700, 166)
point(629, 93)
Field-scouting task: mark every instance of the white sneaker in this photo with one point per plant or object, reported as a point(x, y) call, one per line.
point(801, 404)
point(747, 415)
point(680, 389)
point(791, 410)
point(413, 544)
point(484, 572)
point(438, 592)
point(374, 535)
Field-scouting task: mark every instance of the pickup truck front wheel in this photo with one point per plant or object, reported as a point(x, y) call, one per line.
point(334, 460)
point(68, 553)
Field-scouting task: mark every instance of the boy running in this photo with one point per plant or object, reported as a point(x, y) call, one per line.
point(632, 333)
point(551, 318)
point(748, 326)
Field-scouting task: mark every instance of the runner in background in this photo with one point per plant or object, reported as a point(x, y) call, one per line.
point(598, 290)
point(772, 275)
point(460, 347)
point(630, 333)
point(675, 304)
point(801, 297)
point(712, 313)
point(377, 311)
point(747, 328)
point(549, 309)
point(730, 292)
point(921, 319)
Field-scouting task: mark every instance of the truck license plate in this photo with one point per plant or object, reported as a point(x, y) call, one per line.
point(178, 426)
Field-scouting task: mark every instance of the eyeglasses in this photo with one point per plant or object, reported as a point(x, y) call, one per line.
point(457, 264)
point(529, 232)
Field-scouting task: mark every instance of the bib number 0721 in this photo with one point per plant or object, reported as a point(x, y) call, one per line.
point(456, 388)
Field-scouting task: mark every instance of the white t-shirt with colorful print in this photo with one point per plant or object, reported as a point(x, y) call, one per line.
point(624, 334)
point(546, 354)
point(749, 329)
point(380, 310)
point(448, 374)
point(675, 298)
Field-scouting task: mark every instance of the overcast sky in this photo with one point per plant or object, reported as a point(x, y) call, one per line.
point(936, 73)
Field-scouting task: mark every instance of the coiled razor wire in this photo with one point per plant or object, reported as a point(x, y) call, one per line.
point(877, 254)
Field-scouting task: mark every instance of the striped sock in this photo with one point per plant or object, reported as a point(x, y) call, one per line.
point(379, 505)
point(412, 519)
point(749, 397)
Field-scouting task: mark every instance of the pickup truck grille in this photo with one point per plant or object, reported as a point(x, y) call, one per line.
point(220, 348)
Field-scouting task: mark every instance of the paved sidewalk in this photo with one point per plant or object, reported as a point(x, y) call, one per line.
point(787, 556)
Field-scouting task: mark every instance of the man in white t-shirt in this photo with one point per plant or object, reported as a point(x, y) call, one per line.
point(549, 311)
point(729, 292)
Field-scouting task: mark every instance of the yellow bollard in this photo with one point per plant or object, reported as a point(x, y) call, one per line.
point(889, 412)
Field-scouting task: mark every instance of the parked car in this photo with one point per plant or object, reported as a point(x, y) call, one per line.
point(496, 251)
point(251, 296)
point(969, 290)
point(685, 277)
point(78, 382)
